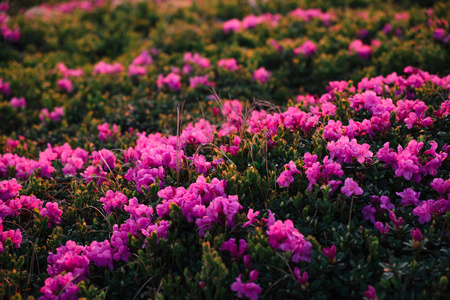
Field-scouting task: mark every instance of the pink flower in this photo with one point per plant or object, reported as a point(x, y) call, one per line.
point(383, 230)
point(105, 158)
point(409, 196)
point(135, 70)
point(423, 212)
point(113, 201)
point(100, 253)
point(385, 203)
point(397, 222)
point(231, 25)
point(60, 287)
point(94, 173)
point(369, 213)
point(172, 81)
point(9, 189)
point(104, 132)
point(351, 188)
point(199, 80)
point(143, 59)
point(65, 84)
point(261, 75)
point(285, 237)
point(4, 87)
point(251, 217)
point(416, 235)
point(301, 278)
point(52, 211)
point(286, 177)
point(68, 258)
point(56, 114)
point(14, 235)
point(229, 64)
point(357, 46)
point(18, 102)
point(12, 35)
point(105, 68)
point(231, 246)
point(370, 293)
point(66, 72)
point(250, 289)
point(307, 49)
point(330, 252)
point(439, 34)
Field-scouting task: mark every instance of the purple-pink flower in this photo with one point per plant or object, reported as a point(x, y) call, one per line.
point(351, 188)
point(330, 252)
point(250, 289)
point(261, 75)
point(229, 64)
point(370, 293)
point(307, 49)
point(231, 25)
point(18, 102)
point(65, 84)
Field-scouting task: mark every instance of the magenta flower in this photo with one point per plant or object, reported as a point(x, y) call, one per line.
point(14, 235)
point(104, 132)
point(439, 34)
point(261, 75)
point(397, 222)
point(351, 188)
point(385, 203)
point(409, 196)
point(330, 252)
point(172, 81)
point(9, 189)
point(143, 59)
point(4, 87)
point(105, 68)
point(231, 25)
point(56, 114)
point(199, 81)
point(301, 278)
point(12, 35)
point(18, 102)
point(384, 230)
point(251, 217)
point(251, 290)
point(285, 237)
point(229, 64)
point(60, 287)
point(100, 253)
point(65, 84)
point(363, 51)
point(135, 70)
point(371, 293)
point(104, 158)
point(94, 173)
point(66, 72)
point(416, 235)
point(423, 212)
point(307, 49)
point(53, 213)
point(231, 247)
point(369, 213)
point(286, 177)
point(113, 201)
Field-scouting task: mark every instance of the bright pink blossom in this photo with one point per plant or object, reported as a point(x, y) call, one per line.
point(351, 188)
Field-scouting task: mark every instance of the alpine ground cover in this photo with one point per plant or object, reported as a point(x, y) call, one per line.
point(224, 149)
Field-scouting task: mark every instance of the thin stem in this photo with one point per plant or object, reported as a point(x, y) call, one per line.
point(350, 215)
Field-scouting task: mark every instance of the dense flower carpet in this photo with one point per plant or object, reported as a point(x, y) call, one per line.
point(213, 149)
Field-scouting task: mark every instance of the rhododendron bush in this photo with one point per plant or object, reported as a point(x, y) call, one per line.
point(213, 149)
